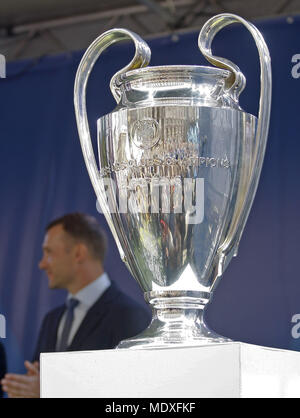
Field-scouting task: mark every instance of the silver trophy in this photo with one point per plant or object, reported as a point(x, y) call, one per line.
point(179, 168)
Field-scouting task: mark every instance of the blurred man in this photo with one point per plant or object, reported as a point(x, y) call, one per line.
point(2, 365)
point(96, 315)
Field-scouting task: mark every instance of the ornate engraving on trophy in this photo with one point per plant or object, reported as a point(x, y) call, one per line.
point(156, 161)
point(145, 133)
point(123, 136)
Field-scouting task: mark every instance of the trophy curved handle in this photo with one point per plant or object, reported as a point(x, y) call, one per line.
point(140, 59)
point(235, 84)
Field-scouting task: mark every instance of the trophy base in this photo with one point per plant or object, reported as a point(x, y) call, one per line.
point(177, 322)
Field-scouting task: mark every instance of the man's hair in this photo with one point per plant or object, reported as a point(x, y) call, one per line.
point(86, 229)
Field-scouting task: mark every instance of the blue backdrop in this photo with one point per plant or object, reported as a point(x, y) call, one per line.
point(42, 176)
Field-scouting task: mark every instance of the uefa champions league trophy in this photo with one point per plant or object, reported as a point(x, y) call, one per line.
point(179, 168)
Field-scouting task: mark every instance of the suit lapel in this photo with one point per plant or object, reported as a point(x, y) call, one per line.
point(54, 328)
point(93, 317)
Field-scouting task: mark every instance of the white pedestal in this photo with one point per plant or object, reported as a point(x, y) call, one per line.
point(224, 370)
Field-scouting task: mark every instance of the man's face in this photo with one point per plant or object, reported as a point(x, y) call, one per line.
point(58, 258)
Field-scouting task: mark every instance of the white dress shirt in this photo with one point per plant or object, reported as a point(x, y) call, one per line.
point(87, 297)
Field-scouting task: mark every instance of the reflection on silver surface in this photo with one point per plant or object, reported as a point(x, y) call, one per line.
point(179, 167)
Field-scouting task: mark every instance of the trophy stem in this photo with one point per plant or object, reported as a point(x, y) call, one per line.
point(177, 321)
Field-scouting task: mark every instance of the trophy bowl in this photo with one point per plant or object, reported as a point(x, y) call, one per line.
point(179, 164)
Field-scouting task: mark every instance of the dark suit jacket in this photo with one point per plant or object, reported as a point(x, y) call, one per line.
point(2, 366)
point(114, 317)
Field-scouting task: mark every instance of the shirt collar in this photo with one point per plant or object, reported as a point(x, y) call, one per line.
point(92, 292)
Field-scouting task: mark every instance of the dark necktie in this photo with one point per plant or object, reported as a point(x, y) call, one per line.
point(71, 305)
